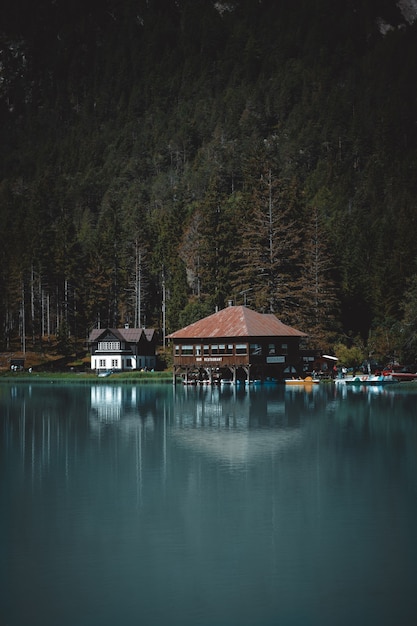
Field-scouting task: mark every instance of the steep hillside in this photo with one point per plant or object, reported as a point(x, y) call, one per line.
point(177, 154)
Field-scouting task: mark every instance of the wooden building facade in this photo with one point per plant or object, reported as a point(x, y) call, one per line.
point(237, 344)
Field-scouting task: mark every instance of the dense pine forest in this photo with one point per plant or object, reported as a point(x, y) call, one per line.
point(159, 158)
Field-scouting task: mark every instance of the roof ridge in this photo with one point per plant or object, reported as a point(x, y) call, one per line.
point(237, 321)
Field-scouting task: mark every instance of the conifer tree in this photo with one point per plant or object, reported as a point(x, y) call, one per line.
point(190, 252)
point(409, 322)
point(211, 238)
point(317, 295)
point(270, 253)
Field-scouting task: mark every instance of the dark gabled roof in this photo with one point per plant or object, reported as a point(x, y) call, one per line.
point(131, 335)
point(150, 333)
point(237, 321)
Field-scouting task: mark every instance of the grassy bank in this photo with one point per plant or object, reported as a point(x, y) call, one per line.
point(74, 377)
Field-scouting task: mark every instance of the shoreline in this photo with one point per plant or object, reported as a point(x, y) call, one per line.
point(83, 378)
point(132, 378)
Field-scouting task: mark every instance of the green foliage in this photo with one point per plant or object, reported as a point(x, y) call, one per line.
point(64, 340)
point(194, 311)
point(250, 150)
point(350, 357)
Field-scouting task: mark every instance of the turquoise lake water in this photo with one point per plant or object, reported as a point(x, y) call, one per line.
point(155, 506)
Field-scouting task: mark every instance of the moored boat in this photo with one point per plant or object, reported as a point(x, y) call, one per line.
point(366, 379)
point(308, 380)
point(104, 374)
point(400, 375)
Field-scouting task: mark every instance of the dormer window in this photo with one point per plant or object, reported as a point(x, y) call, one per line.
point(108, 346)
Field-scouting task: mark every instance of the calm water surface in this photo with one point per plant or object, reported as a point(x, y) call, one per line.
point(153, 506)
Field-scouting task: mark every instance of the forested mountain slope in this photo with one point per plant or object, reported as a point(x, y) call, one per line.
point(178, 154)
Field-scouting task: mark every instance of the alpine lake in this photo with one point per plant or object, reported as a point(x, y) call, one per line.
point(155, 505)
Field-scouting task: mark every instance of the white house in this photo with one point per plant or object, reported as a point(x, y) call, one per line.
point(122, 348)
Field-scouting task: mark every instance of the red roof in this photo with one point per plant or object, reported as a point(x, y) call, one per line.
point(237, 321)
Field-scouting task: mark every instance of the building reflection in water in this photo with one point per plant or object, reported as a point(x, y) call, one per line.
point(236, 425)
point(106, 403)
point(50, 426)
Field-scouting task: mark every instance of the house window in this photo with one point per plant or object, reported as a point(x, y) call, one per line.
point(255, 348)
point(187, 350)
point(108, 346)
point(284, 348)
point(215, 349)
point(198, 350)
point(114, 363)
point(229, 348)
point(177, 350)
point(102, 362)
point(271, 348)
point(128, 362)
point(206, 350)
point(241, 348)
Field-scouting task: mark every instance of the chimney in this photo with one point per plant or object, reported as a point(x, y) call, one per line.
point(230, 302)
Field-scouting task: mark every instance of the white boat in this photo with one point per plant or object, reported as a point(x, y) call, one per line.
point(308, 380)
point(365, 379)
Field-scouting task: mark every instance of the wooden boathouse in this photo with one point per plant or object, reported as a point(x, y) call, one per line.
point(237, 344)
